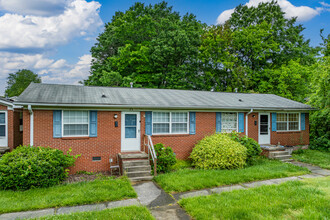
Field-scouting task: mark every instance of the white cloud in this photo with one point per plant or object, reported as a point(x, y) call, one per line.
point(33, 7)
point(50, 70)
point(33, 31)
point(303, 13)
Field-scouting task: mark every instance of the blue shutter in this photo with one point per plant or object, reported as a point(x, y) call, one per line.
point(218, 122)
point(192, 122)
point(302, 121)
point(241, 122)
point(93, 123)
point(148, 123)
point(57, 123)
point(273, 121)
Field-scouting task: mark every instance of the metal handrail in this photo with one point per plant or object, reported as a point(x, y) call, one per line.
point(152, 152)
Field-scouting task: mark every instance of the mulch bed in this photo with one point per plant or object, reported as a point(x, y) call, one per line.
point(73, 178)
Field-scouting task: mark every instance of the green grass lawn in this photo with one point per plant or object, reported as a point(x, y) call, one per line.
point(192, 179)
point(105, 189)
point(307, 199)
point(129, 213)
point(315, 157)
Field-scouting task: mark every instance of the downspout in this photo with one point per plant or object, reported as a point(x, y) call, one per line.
point(246, 121)
point(31, 124)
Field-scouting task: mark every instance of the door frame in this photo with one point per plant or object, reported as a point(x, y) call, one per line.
point(6, 126)
point(138, 132)
point(269, 131)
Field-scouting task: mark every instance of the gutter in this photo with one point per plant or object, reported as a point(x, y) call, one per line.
point(31, 125)
point(164, 107)
point(246, 121)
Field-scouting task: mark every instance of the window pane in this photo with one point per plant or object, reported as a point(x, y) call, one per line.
point(161, 117)
point(281, 117)
point(161, 128)
point(282, 126)
point(293, 126)
point(130, 132)
point(75, 117)
point(2, 130)
point(75, 129)
point(264, 129)
point(130, 119)
point(264, 119)
point(229, 122)
point(2, 118)
point(293, 117)
point(179, 127)
point(179, 117)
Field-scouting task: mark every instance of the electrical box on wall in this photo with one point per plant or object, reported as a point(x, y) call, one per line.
point(116, 123)
point(255, 122)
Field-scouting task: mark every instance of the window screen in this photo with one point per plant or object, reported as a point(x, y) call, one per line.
point(75, 123)
point(229, 122)
point(287, 122)
point(170, 122)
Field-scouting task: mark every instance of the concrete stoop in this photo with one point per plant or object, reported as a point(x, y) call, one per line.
point(4, 150)
point(283, 156)
point(136, 166)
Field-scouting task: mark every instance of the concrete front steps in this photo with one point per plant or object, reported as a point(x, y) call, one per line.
point(283, 156)
point(136, 166)
point(4, 150)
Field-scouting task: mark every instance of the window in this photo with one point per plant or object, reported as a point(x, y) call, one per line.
point(2, 124)
point(75, 123)
point(287, 122)
point(170, 122)
point(96, 158)
point(228, 122)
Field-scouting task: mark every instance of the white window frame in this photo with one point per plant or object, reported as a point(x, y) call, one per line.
point(79, 123)
point(287, 121)
point(222, 129)
point(6, 126)
point(170, 122)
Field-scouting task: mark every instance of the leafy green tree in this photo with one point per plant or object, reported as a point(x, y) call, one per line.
point(257, 50)
point(151, 46)
point(19, 81)
point(320, 99)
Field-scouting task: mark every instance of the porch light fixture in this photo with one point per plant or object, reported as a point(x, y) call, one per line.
point(115, 116)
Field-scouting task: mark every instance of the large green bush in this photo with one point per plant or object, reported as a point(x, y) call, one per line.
point(165, 158)
point(252, 146)
point(320, 132)
point(218, 151)
point(33, 167)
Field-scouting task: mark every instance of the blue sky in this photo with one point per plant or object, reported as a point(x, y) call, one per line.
point(53, 37)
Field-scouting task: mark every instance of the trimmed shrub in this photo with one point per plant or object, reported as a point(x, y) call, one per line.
point(33, 167)
point(218, 151)
point(252, 146)
point(165, 158)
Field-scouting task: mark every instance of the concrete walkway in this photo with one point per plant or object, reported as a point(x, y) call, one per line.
point(315, 172)
point(161, 204)
point(69, 209)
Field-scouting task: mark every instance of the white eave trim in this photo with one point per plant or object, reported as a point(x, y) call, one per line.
point(144, 107)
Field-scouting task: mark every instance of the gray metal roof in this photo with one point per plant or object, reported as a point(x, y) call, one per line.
point(75, 95)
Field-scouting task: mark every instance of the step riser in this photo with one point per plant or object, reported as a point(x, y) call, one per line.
point(282, 157)
point(135, 163)
point(138, 169)
point(145, 178)
point(138, 174)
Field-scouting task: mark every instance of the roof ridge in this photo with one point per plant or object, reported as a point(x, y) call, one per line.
point(142, 88)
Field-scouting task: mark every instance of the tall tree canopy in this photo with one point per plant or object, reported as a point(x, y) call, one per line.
point(19, 81)
point(258, 50)
point(320, 99)
point(151, 46)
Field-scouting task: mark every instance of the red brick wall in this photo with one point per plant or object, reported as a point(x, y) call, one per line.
point(13, 139)
point(105, 144)
point(108, 142)
point(291, 138)
point(253, 129)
